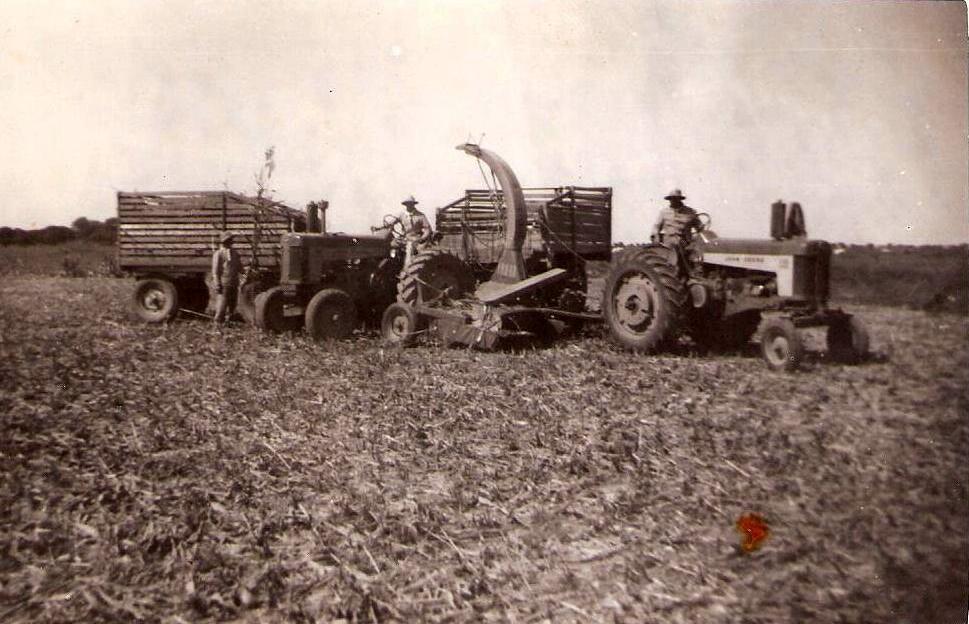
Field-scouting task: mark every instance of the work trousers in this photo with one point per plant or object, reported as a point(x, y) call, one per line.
point(225, 305)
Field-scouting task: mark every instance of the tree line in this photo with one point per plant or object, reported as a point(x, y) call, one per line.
point(81, 229)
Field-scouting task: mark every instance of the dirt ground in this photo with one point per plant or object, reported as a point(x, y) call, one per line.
point(175, 474)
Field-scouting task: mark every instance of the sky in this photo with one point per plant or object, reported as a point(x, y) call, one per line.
point(857, 110)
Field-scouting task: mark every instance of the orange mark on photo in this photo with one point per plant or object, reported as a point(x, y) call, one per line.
point(753, 531)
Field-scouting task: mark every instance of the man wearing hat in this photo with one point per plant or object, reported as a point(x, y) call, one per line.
point(417, 229)
point(226, 266)
point(676, 222)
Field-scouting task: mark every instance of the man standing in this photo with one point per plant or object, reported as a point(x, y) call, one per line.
point(225, 277)
point(416, 228)
point(676, 222)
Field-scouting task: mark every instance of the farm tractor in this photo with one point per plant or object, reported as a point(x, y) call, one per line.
point(720, 291)
point(330, 283)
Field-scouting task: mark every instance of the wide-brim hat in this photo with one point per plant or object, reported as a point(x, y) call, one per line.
point(226, 237)
point(410, 201)
point(675, 194)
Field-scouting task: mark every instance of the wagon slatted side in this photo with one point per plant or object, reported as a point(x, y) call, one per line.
point(560, 219)
point(180, 230)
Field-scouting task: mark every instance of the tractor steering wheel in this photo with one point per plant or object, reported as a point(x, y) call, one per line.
point(704, 221)
point(396, 228)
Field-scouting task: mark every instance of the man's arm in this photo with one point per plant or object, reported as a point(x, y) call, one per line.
point(657, 228)
point(217, 270)
point(426, 230)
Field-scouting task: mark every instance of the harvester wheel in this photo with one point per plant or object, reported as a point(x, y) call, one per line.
point(643, 301)
point(155, 300)
point(848, 341)
point(431, 274)
point(269, 315)
point(399, 325)
point(330, 315)
point(781, 345)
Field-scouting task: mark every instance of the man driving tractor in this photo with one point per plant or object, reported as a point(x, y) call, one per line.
point(414, 229)
point(676, 222)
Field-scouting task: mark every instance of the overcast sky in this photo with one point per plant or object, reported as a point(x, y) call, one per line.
point(858, 110)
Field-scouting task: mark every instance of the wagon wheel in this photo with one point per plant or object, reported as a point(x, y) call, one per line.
point(781, 345)
point(155, 300)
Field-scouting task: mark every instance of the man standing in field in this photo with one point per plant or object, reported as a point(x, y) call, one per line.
point(416, 228)
point(676, 222)
point(225, 277)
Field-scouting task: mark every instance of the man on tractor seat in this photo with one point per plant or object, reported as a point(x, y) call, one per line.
point(676, 222)
point(416, 228)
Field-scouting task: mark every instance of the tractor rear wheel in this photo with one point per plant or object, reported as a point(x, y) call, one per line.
point(848, 340)
point(433, 274)
point(269, 316)
point(155, 300)
point(330, 315)
point(781, 345)
point(643, 301)
point(399, 325)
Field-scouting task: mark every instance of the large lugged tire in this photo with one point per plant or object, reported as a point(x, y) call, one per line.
point(781, 345)
point(431, 273)
point(155, 300)
point(848, 341)
point(643, 301)
point(331, 315)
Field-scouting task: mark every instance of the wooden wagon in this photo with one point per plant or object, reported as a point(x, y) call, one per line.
point(166, 240)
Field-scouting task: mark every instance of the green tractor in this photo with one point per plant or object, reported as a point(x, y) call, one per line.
point(721, 291)
point(332, 283)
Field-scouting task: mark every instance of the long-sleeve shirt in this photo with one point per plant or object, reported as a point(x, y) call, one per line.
point(226, 266)
point(674, 224)
point(416, 226)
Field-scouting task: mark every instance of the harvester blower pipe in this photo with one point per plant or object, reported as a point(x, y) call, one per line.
point(511, 265)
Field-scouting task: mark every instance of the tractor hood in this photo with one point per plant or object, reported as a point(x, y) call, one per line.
point(761, 247)
point(801, 266)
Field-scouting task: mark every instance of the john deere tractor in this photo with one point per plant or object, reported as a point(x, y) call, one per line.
point(720, 291)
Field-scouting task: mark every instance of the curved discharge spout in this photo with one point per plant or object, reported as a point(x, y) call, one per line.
point(511, 266)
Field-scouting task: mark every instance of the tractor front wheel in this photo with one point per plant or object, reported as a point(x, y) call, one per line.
point(399, 325)
point(155, 300)
point(848, 340)
point(330, 315)
point(781, 345)
point(643, 301)
point(269, 314)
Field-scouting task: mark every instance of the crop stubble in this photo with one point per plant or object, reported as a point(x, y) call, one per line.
point(154, 472)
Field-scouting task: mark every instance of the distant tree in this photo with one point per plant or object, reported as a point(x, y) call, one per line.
point(83, 226)
point(52, 235)
point(104, 232)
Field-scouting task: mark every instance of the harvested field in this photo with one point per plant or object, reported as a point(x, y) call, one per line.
point(172, 473)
